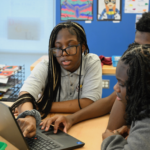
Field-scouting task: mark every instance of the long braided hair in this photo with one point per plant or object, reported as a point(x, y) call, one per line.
point(53, 83)
point(138, 83)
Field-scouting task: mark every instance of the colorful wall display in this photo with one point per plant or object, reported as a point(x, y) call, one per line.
point(136, 6)
point(109, 10)
point(76, 10)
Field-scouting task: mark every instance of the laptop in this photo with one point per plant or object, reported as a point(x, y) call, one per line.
point(44, 140)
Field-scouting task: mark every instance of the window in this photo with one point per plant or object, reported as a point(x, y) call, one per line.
point(25, 25)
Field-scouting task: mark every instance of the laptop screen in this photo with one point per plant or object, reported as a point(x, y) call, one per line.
point(9, 128)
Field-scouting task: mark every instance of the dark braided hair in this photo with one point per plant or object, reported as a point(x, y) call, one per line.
point(138, 83)
point(143, 24)
point(53, 83)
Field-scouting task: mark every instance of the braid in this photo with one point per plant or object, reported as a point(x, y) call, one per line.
point(53, 82)
point(138, 83)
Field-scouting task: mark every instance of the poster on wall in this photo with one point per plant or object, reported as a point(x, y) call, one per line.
point(109, 10)
point(136, 6)
point(76, 10)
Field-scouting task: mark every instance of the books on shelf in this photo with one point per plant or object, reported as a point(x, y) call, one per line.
point(11, 83)
point(1, 66)
point(11, 68)
point(6, 74)
point(4, 80)
point(5, 95)
point(6, 71)
point(11, 79)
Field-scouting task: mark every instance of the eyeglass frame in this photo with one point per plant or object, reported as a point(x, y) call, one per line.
point(65, 50)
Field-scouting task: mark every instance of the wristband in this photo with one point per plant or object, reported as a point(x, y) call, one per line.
point(33, 113)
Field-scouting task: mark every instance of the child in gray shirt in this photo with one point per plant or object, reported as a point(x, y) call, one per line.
point(132, 88)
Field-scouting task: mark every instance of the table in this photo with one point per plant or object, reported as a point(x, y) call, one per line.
point(89, 131)
point(9, 145)
point(106, 69)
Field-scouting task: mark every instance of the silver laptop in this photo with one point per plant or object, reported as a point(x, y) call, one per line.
point(44, 140)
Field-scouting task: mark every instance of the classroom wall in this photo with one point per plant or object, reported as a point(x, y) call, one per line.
point(107, 38)
point(104, 38)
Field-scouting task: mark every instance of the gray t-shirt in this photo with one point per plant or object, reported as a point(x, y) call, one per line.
point(138, 139)
point(90, 84)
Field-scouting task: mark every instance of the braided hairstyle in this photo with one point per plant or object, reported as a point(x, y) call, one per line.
point(53, 83)
point(143, 24)
point(138, 83)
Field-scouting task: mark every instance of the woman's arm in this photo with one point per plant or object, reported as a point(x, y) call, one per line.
point(70, 106)
point(96, 109)
point(27, 124)
point(25, 106)
point(117, 116)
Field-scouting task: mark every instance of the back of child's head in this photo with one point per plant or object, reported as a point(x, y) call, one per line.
point(143, 25)
point(137, 57)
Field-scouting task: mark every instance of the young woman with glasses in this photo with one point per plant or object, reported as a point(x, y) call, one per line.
point(69, 81)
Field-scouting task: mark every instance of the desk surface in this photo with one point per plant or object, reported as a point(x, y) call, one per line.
point(89, 131)
point(9, 145)
point(106, 70)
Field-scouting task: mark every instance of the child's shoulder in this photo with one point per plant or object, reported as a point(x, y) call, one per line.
point(91, 60)
point(92, 57)
point(43, 64)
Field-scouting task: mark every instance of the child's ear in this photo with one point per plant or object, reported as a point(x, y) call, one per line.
point(83, 48)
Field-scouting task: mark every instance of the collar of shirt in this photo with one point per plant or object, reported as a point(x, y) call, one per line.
point(66, 73)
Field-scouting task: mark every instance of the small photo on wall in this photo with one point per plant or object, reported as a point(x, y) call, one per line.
point(76, 10)
point(109, 10)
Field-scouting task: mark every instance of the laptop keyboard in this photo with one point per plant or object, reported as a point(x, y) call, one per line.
point(38, 143)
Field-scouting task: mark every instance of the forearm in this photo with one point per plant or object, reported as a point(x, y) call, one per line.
point(97, 109)
point(117, 116)
point(70, 106)
point(25, 106)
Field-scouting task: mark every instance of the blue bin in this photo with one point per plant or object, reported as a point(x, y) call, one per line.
point(115, 60)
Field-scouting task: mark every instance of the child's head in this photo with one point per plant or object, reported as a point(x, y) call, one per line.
point(74, 29)
point(143, 29)
point(70, 37)
point(133, 86)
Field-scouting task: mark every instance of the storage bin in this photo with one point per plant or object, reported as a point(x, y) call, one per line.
point(115, 60)
point(3, 145)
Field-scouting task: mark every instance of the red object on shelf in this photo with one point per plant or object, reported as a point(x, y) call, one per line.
point(105, 60)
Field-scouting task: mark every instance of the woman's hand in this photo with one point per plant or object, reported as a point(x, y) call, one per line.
point(27, 126)
point(15, 112)
point(124, 131)
point(58, 121)
point(108, 133)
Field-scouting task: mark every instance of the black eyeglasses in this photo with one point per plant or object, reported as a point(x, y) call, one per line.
point(70, 50)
